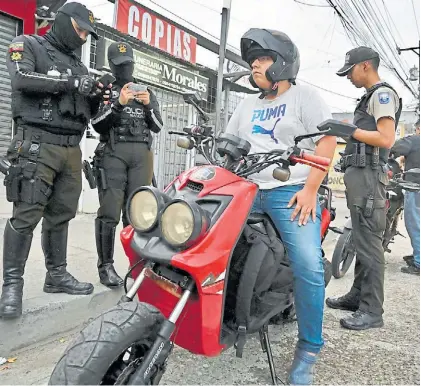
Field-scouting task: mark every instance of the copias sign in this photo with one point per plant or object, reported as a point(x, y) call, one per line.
point(133, 19)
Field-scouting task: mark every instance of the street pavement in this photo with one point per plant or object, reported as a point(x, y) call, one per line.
point(390, 355)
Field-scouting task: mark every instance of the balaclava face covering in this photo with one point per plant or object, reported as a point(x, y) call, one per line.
point(63, 34)
point(123, 72)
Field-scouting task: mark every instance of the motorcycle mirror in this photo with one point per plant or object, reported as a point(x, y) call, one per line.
point(194, 99)
point(185, 143)
point(281, 174)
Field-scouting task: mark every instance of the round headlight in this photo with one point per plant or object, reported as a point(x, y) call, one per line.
point(183, 223)
point(143, 210)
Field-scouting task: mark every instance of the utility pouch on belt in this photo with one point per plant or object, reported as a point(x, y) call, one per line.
point(358, 155)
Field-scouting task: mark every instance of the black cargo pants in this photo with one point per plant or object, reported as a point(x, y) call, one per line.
point(48, 188)
point(127, 167)
point(366, 200)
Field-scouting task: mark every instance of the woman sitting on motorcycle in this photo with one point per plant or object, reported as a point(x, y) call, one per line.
point(270, 121)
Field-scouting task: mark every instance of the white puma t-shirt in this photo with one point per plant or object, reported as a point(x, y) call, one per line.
point(273, 124)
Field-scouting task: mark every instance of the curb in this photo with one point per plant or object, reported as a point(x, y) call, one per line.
point(50, 315)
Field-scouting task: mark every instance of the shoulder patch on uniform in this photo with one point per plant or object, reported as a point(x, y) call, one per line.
point(16, 56)
point(384, 97)
point(16, 47)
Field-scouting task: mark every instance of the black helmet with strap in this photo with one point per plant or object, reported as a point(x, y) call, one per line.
point(258, 42)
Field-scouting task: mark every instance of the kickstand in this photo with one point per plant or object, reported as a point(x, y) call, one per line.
point(265, 343)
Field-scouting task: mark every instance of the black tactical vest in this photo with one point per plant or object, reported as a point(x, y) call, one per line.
point(367, 122)
point(66, 113)
point(131, 125)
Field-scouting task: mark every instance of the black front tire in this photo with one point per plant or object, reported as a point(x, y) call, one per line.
point(343, 255)
point(99, 347)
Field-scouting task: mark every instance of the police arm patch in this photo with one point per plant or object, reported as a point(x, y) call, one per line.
point(16, 56)
point(16, 47)
point(384, 98)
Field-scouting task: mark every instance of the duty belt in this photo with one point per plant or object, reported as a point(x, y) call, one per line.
point(131, 138)
point(352, 160)
point(53, 139)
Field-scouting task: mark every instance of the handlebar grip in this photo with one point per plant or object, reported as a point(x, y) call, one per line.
point(316, 159)
point(303, 161)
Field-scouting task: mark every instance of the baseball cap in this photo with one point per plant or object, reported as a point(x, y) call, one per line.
point(119, 53)
point(82, 15)
point(355, 56)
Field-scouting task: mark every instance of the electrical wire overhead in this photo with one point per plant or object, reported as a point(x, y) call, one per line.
point(366, 25)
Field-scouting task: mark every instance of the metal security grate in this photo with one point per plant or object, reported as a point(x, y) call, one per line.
point(8, 31)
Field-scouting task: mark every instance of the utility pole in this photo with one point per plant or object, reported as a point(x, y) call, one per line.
point(226, 10)
point(414, 73)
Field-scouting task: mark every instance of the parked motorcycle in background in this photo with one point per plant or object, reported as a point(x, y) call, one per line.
point(399, 181)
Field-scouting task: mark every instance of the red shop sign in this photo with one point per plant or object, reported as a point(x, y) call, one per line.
point(131, 18)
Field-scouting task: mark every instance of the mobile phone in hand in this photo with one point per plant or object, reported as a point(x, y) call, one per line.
point(106, 79)
point(136, 87)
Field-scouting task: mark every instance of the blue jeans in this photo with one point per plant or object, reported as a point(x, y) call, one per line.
point(412, 222)
point(303, 245)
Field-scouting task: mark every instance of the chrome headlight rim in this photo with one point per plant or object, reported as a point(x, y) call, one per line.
point(161, 201)
point(201, 223)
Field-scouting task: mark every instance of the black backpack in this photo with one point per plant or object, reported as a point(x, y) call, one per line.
point(260, 279)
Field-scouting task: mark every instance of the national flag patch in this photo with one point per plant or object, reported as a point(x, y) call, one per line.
point(16, 47)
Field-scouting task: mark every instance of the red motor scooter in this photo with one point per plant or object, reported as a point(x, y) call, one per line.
point(206, 271)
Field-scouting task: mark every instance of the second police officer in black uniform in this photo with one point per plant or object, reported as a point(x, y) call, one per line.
point(53, 99)
point(123, 159)
point(375, 118)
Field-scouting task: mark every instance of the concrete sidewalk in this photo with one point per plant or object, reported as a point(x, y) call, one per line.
point(48, 314)
point(44, 314)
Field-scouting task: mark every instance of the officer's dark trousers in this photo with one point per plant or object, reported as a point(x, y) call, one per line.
point(59, 171)
point(128, 167)
point(367, 232)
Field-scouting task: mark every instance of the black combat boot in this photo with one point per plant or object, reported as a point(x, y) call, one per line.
point(57, 279)
point(361, 320)
point(16, 248)
point(348, 302)
point(411, 269)
point(105, 235)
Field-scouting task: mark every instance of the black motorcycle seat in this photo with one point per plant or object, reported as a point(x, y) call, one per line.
point(255, 218)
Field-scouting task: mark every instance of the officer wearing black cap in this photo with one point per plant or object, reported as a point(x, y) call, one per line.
point(375, 120)
point(53, 99)
point(123, 159)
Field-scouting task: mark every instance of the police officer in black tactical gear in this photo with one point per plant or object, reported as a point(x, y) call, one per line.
point(376, 118)
point(53, 99)
point(123, 159)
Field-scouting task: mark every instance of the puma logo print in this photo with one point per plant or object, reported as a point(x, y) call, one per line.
point(261, 130)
